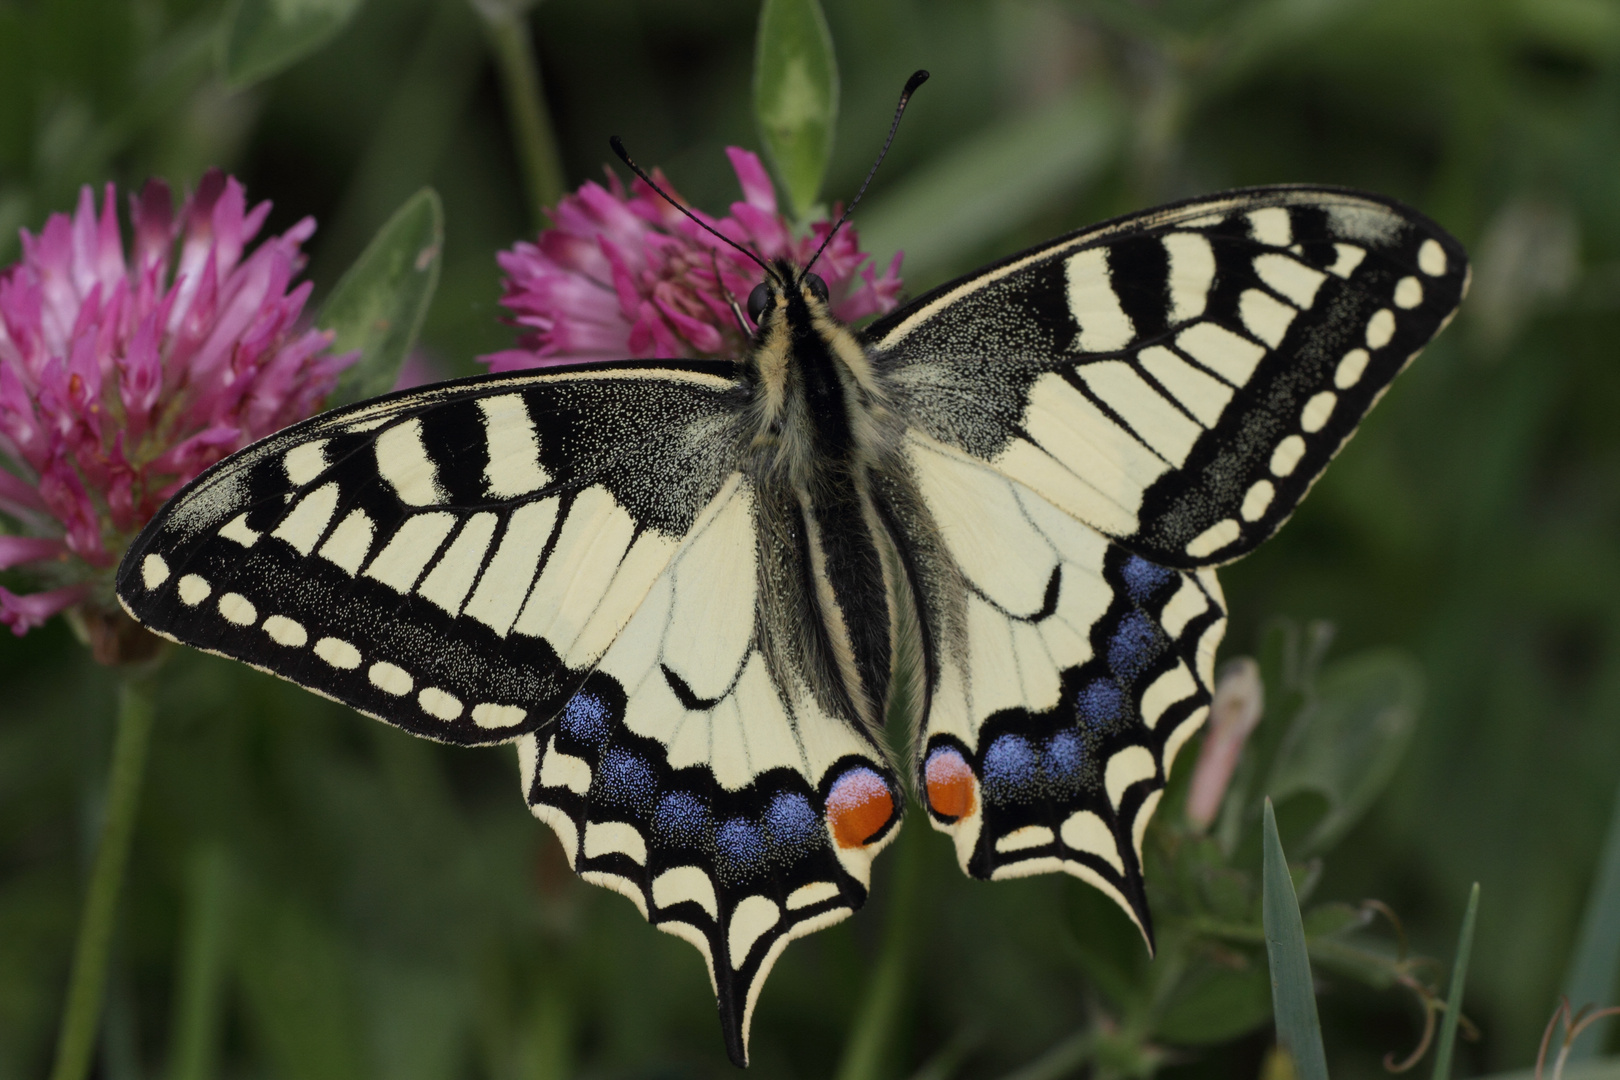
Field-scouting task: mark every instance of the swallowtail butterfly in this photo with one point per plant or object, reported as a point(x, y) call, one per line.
point(677, 586)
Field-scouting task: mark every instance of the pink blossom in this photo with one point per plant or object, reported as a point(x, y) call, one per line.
point(620, 276)
point(123, 378)
point(1240, 701)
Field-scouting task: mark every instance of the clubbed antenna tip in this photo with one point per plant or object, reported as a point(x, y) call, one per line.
point(918, 77)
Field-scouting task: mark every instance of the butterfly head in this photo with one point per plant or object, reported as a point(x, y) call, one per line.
point(771, 296)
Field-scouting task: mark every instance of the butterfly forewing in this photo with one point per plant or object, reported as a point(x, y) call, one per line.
point(433, 559)
point(1179, 378)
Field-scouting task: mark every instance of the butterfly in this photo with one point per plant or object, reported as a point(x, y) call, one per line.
point(688, 591)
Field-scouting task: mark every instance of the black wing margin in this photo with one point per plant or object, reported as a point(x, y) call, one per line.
point(1178, 379)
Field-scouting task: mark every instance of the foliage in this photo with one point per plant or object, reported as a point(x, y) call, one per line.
point(377, 307)
point(312, 894)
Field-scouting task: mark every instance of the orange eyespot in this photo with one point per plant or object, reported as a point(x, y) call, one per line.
point(950, 783)
point(858, 807)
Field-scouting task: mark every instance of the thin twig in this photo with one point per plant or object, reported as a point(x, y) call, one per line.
point(1546, 1036)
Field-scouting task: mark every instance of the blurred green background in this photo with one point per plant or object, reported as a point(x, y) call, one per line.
point(315, 895)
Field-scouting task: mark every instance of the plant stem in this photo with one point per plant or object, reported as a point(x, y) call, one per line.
point(532, 134)
point(867, 1046)
point(87, 983)
point(193, 1043)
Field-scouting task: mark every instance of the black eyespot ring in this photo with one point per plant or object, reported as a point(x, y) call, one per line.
point(818, 288)
point(758, 301)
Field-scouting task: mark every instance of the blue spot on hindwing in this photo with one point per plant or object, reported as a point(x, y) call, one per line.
point(1063, 761)
point(793, 824)
point(741, 849)
point(1101, 704)
point(1134, 646)
point(585, 718)
point(625, 780)
point(683, 820)
point(1011, 770)
point(1143, 579)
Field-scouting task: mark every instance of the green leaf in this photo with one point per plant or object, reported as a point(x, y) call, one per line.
point(796, 95)
point(261, 38)
point(1293, 997)
point(378, 305)
point(1228, 892)
point(1454, 996)
point(1347, 741)
point(1594, 978)
point(1215, 1004)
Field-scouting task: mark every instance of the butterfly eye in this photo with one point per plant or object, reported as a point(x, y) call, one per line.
point(758, 301)
point(818, 287)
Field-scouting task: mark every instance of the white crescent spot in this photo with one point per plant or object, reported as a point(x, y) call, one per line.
point(439, 704)
point(390, 679)
point(285, 631)
point(154, 571)
point(339, 653)
point(750, 921)
point(238, 609)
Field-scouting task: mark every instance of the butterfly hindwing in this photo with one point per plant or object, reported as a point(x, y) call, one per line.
point(452, 560)
point(1179, 378)
point(1071, 677)
point(697, 778)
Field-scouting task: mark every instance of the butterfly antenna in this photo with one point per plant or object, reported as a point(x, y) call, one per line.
point(624, 156)
point(917, 79)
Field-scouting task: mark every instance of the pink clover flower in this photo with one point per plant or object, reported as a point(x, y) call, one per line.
point(625, 275)
point(122, 377)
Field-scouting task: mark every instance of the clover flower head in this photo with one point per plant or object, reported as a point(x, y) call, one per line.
point(624, 274)
point(124, 376)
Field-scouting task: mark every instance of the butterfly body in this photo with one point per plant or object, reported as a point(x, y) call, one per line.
point(683, 589)
point(822, 432)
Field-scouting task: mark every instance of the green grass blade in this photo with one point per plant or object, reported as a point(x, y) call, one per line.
point(1594, 977)
point(1454, 997)
point(1293, 997)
